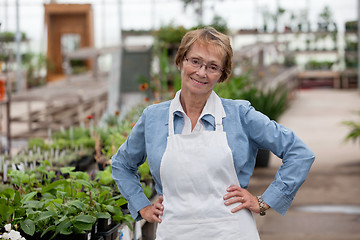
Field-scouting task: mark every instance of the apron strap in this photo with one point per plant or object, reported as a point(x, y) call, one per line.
point(171, 123)
point(218, 123)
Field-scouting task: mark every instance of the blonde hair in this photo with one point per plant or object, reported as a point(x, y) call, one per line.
point(207, 35)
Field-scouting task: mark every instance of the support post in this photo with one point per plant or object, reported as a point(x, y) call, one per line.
point(358, 50)
point(18, 53)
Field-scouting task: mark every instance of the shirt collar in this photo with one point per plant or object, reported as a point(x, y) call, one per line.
point(212, 107)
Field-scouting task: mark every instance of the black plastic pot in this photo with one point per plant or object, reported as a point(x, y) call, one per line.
point(36, 236)
point(104, 224)
point(111, 234)
point(94, 229)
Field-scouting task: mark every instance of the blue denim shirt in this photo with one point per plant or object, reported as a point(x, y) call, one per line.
point(246, 129)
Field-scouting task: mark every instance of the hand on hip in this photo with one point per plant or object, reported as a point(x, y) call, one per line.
point(151, 213)
point(240, 195)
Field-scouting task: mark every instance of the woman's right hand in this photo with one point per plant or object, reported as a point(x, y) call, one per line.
point(151, 213)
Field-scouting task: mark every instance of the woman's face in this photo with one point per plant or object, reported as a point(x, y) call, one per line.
point(200, 81)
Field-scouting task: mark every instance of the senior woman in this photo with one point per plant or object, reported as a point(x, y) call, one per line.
point(201, 151)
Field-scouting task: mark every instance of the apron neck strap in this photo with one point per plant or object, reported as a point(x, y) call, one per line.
point(171, 123)
point(218, 123)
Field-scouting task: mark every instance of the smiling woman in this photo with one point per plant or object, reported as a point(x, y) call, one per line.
point(201, 151)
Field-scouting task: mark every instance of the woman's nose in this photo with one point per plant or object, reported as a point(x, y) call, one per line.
point(202, 70)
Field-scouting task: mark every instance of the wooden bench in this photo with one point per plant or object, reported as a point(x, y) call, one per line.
point(318, 75)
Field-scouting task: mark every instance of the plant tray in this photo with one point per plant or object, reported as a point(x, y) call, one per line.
point(97, 238)
point(75, 236)
point(112, 234)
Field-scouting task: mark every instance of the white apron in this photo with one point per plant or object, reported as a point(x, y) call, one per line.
point(196, 170)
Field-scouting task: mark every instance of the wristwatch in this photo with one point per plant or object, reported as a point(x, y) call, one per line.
point(262, 205)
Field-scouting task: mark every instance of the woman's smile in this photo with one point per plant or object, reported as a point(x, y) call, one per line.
point(199, 82)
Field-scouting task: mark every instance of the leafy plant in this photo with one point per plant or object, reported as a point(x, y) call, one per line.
point(319, 65)
point(4, 57)
point(354, 133)
point(10, 36)
point(36, 64)
point(47, 203)
point(170, 34)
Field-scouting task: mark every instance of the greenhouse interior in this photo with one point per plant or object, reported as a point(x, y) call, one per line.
point(76, 76)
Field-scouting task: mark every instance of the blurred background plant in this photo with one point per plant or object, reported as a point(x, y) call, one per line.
point(36, 65)
point(354, 126)
point(271, 102)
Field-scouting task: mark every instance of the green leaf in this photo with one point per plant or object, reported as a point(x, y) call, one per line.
point(84, 183)
point(62, 227)
point(65, 170)
point(49, 229)
point(28, 226)
point(8, 192)
point(45, 215)
point(121, 202)
point(17, 198)
point(114, 210)
point(84, 219)
point(54, 185)
point(34, 204)
point(102, 215)
point(105, 177)
point(28, 197)
point(83, 226)
point(78, 204)
point(128, 220)
point(66, 231)
point(6, 212)
point(147, 191)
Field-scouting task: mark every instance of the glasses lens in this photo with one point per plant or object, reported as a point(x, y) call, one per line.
point(213, 69)
point(196, 63)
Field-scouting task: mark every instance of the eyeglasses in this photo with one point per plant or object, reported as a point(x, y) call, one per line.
point(197, 64)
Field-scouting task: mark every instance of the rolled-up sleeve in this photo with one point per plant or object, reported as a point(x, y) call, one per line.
point(125, 163)
point(296, 157)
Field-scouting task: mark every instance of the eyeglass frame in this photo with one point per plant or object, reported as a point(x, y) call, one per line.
point(202, 63)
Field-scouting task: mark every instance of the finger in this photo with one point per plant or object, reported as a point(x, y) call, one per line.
point(158, 205)
point(158, 211)
point(235, 200)
point(233, 194)
point(153, 216)
point(157, 219)
point(238, 208)
point(160, 199)
point(233, 188)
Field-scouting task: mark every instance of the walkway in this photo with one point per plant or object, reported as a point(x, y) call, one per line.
point(331, 187)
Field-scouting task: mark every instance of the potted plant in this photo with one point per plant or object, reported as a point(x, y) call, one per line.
point(48, 204)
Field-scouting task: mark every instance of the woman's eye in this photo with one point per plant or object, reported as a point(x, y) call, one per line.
point(195, 61)
point(214, 67)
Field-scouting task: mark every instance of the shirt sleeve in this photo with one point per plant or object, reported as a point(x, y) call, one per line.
point(296, 157)
point(125, 163)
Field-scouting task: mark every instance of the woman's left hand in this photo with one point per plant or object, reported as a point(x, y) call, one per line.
point(237, 194)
